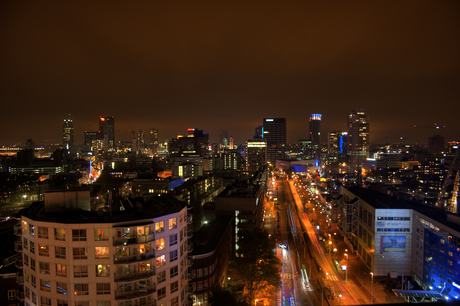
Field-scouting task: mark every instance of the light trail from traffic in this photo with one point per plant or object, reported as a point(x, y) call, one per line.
point(322, 261)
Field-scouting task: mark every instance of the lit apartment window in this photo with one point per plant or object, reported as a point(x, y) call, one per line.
point(161, 261)
point(101, 234)
point(80, 271)
point(59, 234)
point(45, 285)
point(172, 223)
point(43, 250)
point(160, 227)
point(31, 229)
point(160, 243)
point(78, 235)
point(102, 270)
point(80, 253)
point(102, 288)
point(43, 232)
point(61, 270)
point(81, 289)
point(101, 252)
point(44, 267)
point(59, 252)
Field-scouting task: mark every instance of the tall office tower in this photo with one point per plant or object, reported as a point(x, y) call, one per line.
point(337, 147)
point(315, 134)
point(258, 132)
point(230, 143)
point(223, 140)
point(154, 140)
point(141, 139)
point(67, 134)
point(358, 137)
point(107, 127)
point(274, 132)
point(256, 153)
point(74, 256)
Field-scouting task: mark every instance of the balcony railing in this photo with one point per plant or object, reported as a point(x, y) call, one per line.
point(133, 240)
point(189, 219)
point(18, 246)
point(190, 247)
point(189, 232)
point(18, 229)
point(20, 295)
point(19, 263)
point(20, 277)
point(139, 292)
point(133, 258)
point(134, 275)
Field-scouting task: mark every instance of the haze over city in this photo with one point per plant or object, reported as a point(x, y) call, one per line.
point(227, 66)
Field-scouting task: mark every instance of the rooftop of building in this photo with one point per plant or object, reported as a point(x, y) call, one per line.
point(245, 188)
point(383, 201)
point(123, 210)
point(208, 236)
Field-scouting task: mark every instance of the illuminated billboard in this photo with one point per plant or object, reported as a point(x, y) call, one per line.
point(393, 244)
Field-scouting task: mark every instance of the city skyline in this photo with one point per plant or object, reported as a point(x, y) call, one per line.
point(216, 66)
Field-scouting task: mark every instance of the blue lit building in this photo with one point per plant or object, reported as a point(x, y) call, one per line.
point(403, 238)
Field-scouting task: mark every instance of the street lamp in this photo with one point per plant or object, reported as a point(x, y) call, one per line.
point(340, 299)
point(372, 287)
point(346, 271)
point(330, 246)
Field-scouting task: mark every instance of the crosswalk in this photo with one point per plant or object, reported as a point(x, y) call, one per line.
point(287, 276)
point(332, 278)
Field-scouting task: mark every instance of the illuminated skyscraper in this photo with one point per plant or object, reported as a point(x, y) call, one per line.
point(107, 127)
point(256, 154)
point(274, 133)
point(315, 134)
point(67, 134)
point(337, 146)
point(358, 137)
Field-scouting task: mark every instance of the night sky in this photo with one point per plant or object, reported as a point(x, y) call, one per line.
point(227, 65)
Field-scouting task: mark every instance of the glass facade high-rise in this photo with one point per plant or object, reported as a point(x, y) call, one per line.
point(67, 134)
point(107, 127)
point(274, 133)
point(337, 146)
point(358, 137)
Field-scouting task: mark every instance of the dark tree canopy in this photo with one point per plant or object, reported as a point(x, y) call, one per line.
point(257, 266)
